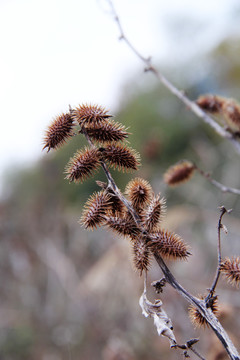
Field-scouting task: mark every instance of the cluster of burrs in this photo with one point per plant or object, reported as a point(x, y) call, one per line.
point(137, 214)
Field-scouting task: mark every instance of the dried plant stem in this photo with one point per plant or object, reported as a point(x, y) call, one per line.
point(191, 105)
point(200, 304)
point(220, 186)
point(197, 353)
point(215, 281)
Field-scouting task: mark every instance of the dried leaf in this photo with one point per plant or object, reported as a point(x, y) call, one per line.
point(160, 318)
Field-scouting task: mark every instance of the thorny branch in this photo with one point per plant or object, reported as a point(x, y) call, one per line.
point(191, 105)
point(200, 304)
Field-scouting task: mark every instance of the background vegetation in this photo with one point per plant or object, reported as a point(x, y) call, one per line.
point(71, 294)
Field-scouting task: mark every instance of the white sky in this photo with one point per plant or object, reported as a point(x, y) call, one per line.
point(60, 52)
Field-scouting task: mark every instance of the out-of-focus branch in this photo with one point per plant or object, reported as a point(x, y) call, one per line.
point(220, 186)
point(183, 170)
point(191, 105)
point(223, 211)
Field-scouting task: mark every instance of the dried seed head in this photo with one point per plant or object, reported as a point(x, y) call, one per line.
point(117, 207)
point(210, 103)
point(87, 114)
point(82, 164)
point(106, 131)
point(95, 210)
point(141, 256)
point(60, 130)
point(168, 245)
point(153, 215)
point(139, 192)
point(121, 157)
point(231, 114)
point(231, 269)
point(196, 317)
point(179, 173)
point(123, 226)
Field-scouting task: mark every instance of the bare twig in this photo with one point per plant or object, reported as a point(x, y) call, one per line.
point(191, 105)
point(219, 228)
point(189, 346)
point(220, 186)
point(196, 353)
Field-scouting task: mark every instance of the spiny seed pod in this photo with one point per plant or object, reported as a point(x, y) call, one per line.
point(168, 245)
point(60, 130)
point(95, 210)
point(179, 173)
point(117, 207)
point(139, 192)
point(141, 256)
point(123, 226)
point(210, 103)
point(121, 157)
point(82, 164)
point(231, 114)
point(196, 317)
point(87, 114)
point(231, 269)
point(153, 215)
point(106, 132)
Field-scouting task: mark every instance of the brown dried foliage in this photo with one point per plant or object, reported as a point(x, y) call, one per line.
point(95, 210)
point(139, 192)
point(196, 317)
point(60, 130)
point(179, 173)
point(231, 270)
point(121, 157)
point(153, 215)
point(168, 245)
point(88, 114)
point(83, 164)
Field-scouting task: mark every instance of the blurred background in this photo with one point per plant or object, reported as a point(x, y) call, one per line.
point(66, 293)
